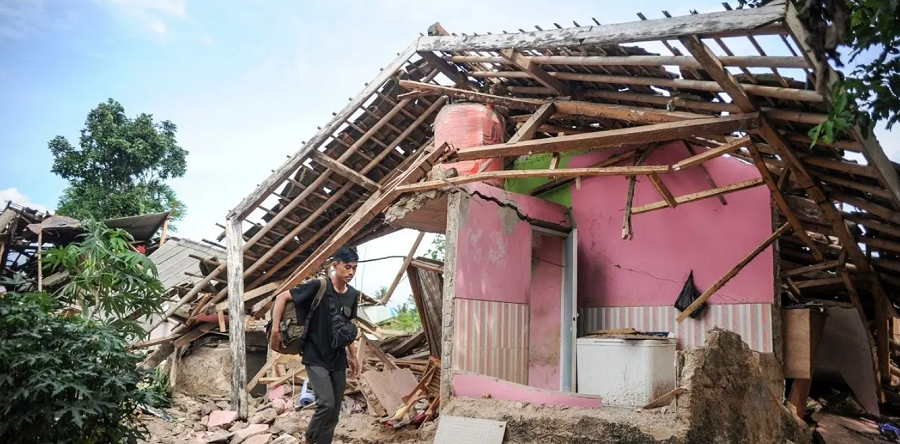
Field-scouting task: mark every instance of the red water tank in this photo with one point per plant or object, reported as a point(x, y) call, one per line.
point(465, 125)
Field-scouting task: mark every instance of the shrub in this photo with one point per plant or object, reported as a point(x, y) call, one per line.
point(65, 379)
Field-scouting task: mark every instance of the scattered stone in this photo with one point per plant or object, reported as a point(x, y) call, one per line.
point(219, 436)
point(279, 405)
point(293, 423)
point(259, 439)
point(266, 416)
point(224, 405)
point(207, 408)
point(251, 430)
point(220, 419)
point(199, 427)
point(237, 426)
point(286, 439)
point(519, 405)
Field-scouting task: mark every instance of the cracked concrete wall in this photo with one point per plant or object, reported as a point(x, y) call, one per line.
point(704, 236)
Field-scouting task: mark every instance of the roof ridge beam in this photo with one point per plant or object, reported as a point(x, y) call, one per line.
point(744, 21)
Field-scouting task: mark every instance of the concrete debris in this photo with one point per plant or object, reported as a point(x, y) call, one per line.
point(729, 397)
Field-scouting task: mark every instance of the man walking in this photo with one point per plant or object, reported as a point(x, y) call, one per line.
point(326, 362)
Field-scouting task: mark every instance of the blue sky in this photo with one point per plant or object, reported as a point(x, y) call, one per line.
point(245, 81)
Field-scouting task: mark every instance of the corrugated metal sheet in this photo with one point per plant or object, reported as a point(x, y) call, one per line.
point(173, 260)
point(491, 338)
point(752, 321)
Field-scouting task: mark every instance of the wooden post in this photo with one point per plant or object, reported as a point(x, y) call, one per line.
point(40, 264)
point(406, 261)
point(235, 259)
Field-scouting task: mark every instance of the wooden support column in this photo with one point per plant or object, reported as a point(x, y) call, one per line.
point(406, 261)
point(235, 260)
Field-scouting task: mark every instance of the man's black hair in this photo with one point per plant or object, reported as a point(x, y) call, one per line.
point(345, 254)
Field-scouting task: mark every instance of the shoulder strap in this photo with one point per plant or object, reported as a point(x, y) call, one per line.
point(323, 285)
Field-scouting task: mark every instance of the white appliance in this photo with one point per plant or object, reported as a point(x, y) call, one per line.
point(625, 372)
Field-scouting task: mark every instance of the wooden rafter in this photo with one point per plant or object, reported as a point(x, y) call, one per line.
point(663, 191)
point(343, 170)
point(699, 195)
point(708, 155)
point(717, 71)
point(558, 182)
point(518, 60)
point(644, 60)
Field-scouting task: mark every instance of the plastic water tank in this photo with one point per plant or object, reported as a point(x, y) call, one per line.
point(625, 372)
point(466, 125)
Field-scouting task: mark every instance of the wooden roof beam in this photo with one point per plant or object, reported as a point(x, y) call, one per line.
point(447, 69)
point(717, 71)
point(705, 194)
point(617, 137)
point(713, 153)
point(642, 60)
point(518, 60)
point(742, 21)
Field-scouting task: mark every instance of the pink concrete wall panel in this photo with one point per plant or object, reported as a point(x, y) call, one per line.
point(491, 338)
point(474, 386)
point(704, 236)
point(493, 253)
point(752, 321)
point(544, 307)
point(466, 125)
point(533, 208)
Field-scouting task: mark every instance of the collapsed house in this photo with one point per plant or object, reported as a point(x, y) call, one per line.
point(25, 233)
point(584, 184)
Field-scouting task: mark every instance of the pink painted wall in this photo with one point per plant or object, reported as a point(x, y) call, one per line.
point(544, 298)
point(474, 386)
point(493, 249)
point(704, 236)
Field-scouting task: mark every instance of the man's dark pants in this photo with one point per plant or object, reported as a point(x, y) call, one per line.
point(329, 390)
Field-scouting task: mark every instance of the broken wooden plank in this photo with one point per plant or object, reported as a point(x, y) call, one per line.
point(665, 399)
point(700, 195)
point(706, 175)
point(250, 296)
point(731, 273)
point(524, 63)
point(376, 350)
point(811, 269)
point(343, 170)
point(629, 197)
point(617, 137)
point(712, 153)
point(717, 71)
point(198, 331)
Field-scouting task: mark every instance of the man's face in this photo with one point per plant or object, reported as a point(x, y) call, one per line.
point(345, 270)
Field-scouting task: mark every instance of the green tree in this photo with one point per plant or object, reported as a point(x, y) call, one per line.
point(407, 318)
point(108, 279)
point(870, 32)
point(438, 245)
point(120, 166)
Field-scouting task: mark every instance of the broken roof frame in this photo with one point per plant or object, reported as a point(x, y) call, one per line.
point(332, 191)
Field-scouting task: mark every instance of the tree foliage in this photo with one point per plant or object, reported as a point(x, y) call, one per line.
point(867, 29)
point(120, 166)
point(438, 245)
point(407, 318)
point(64, 379)
point(107, 278)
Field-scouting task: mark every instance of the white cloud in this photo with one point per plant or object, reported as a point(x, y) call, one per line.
point(149, 14)
point(14, 195)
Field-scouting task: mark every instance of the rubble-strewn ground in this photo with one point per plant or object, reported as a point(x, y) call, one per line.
point(187, 421)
